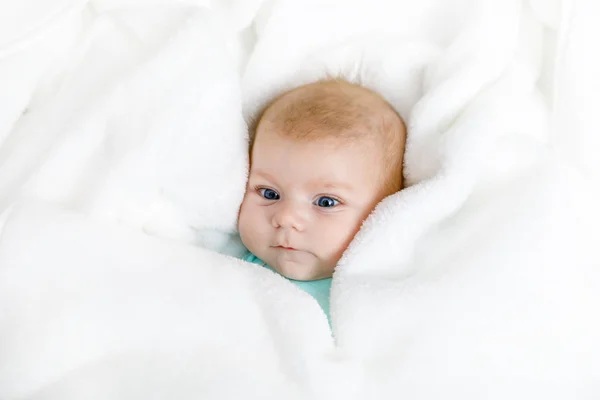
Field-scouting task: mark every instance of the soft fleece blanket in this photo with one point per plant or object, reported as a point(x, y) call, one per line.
point(123, 161)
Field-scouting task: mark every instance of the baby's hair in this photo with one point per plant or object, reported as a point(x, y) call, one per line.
point(336, 108)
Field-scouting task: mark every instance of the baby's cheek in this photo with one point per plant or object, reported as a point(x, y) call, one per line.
point(337, 234)
point(247, 225)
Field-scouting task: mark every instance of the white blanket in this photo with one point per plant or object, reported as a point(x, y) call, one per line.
point(122, 165)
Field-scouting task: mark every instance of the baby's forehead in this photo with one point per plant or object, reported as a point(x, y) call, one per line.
point(328, 161)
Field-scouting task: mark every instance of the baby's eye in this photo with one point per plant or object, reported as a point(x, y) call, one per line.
point(326, 202)
point(269, 194)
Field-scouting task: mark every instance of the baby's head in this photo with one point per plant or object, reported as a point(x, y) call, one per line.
point(321, 157)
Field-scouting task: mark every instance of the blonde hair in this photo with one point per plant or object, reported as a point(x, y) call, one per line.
point(335, 108)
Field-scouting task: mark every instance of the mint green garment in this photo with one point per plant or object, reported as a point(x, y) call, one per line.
point(318, 289)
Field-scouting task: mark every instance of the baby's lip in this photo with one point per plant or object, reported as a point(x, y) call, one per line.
point(285, 248)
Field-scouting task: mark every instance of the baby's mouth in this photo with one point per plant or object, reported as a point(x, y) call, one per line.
point(285, 248)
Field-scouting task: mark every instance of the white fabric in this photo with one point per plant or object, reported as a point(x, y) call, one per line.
point(575, 125)
point(479, 281)
point(120, 133)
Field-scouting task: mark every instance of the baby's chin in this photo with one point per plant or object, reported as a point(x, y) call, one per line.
point(299, 271)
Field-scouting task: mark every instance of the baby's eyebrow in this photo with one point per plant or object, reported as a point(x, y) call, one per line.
point(337, 185)
point(264, 174)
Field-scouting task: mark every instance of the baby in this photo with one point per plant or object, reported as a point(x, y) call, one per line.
point(321, 157)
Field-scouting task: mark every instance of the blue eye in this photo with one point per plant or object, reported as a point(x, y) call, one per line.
point(326, 202)
point(269, 194)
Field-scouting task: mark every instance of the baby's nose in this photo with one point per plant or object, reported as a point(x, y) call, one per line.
point(288, 216)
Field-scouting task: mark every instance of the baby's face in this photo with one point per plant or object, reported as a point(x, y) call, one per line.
point(305, 201)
